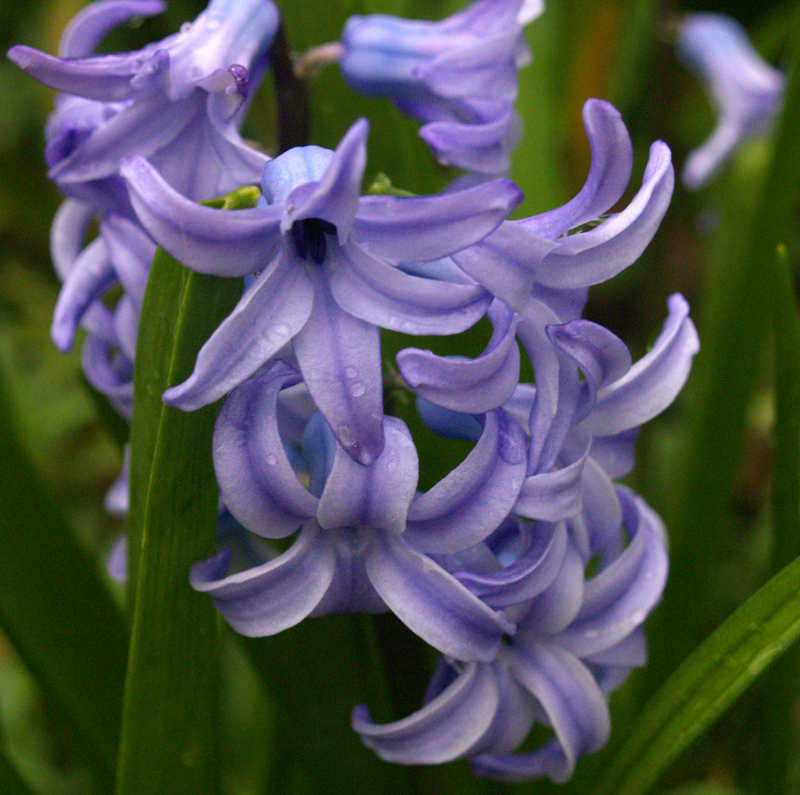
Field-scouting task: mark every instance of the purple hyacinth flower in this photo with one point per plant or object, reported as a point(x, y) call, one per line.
point(537, 257)
point(576, 641)
point(746, 91)
point(177, 102)
point(459, 76)
point(365, 533)
point(326, 260)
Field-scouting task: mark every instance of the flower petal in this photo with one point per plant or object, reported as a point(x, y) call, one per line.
point(256, 480)
point(612, 161)
point(444, 729)
point(277, 595)
point(221, 242)
point(267, 316)
point(463, 508)
point(596, 255)
point(377, 495)
point(131, 252)
point(471, 386)
point(432, 603)
point(425, 228)
point(575, 708)
point(654, 381)
point(377, 293)
point(90, 25)
point(339, 356)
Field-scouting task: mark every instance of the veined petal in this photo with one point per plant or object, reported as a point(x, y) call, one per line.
point(594, 256)
point(220, 242)
point(505, 263)
point(67, 234)
point(256, 479)
point(277, 595)
point(105, 77)
point(556, 608)
point(90, 25)
point(339, 356)
point(602, 356)
point(377, 293)
point(612, 162)
point(446, 728)
point(91, 275)
point(432, 603)
point(463, 508)
point(336, 197)
point(575, 708)
point(602, 512)
point(619, 598)
point(131, 252)
point(471, 386)
point(654, 381)
point(557, 494)
point(267, 316)
point(528, 576)
point(426, 228)
point(377, 495)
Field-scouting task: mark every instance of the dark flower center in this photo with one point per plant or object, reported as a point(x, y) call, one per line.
point(309, 238)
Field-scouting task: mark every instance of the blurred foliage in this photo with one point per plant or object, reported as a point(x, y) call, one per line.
point(613, 49)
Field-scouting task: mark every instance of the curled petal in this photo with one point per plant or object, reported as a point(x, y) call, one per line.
point(446, 728)
point(256, 480)
point(555, 495)
point(620, 597)
point(105, 77)
point(593, 256)
point(267, 316)
point(90, 277)
point(220, 242)
point(612, 161)
point(602, 512)
point(528, 576)
point(67, 234)
point(463, 508)
point(654, 381)
point(557, 607)
point(602, 356)
point(377, 495)
point(425, 228)
point(505, 262)
point(277, 595)
point(385, 296)
point(109, 372)
point(339, 356)
point(90, 25)
point(471, 386)
point(574, 705)
point(131, 252)
point(432, 603)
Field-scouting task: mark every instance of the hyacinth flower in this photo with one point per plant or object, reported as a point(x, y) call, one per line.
point(177, 102)
point(327, 279)
point(557, 255)
point(575, 642)
point(368, 541)
point(746, 91)
point(458, 76)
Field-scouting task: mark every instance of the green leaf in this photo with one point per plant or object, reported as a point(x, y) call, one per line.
point(54, 605)
point(11, 783)
point(708, 681)
point(170, 720)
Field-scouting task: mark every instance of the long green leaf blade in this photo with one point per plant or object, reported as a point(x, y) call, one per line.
point(170, 720)
point(11, 783)
point(708, 681)
point(53, 603)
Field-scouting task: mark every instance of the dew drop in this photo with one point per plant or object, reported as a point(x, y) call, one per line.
point(346, 435)
point(357, 389)
point(186, 27)
point(272, 459)
point(351, 372)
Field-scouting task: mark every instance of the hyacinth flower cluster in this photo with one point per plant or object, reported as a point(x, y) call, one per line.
point(746, 91)
point(178, 102)
point(526, 567)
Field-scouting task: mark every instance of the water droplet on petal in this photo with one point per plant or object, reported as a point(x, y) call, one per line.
point(272, 459)
point(346, 435)
point(357, 389)
point(351, 372)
